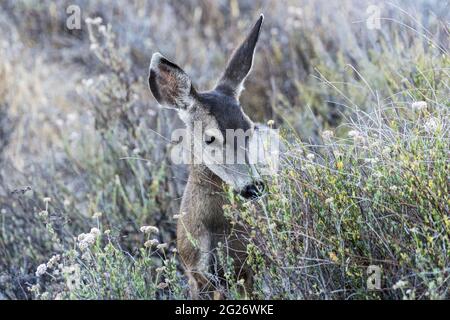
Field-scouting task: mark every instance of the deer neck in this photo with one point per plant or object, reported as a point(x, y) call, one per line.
point(205, 179)
point(204, 197)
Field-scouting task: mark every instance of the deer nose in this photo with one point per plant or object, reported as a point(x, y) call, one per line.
point(253, 191)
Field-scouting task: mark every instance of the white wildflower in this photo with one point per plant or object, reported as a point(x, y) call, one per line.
point(162, 285)
point(178, 216)
point(270, 123)
point(375, 144)
point(81, 236)
point(43, 214)
point(310, 156)
point(41, 269)
point(34, 288)
point(377, 174)
point(431, 125)
point(386, 151)
point(160, 269)
point(149, 229)
point(419, 106)
point(162, 246)
point(94, 21)
point(86, 256)
point(85, 240)
point(357, 136)
point(95, 231)
point(151, 243)
point(45, 296)
point(338, 154)
point(414, 230)
point(371, 160)
point(87, 82)
point(400, 284)
point(53, 261)
point(72, 275)
point(329, 200)
point(97, 215)
point(353, 133)
point(393, 188)
point(327, 134)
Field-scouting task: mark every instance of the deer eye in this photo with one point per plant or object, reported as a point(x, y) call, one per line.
point(209, 139)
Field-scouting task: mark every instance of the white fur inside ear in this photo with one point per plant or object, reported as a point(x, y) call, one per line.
point(156, 58)
point(170, 85)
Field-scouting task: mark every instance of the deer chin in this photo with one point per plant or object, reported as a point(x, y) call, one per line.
point(237, 176)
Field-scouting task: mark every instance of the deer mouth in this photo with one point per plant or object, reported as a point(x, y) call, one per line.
point(253, 191)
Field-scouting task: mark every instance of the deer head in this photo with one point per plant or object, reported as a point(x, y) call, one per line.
point(218, 112)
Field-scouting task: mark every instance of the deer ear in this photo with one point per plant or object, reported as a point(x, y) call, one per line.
point(240, 63)
point(169, 84)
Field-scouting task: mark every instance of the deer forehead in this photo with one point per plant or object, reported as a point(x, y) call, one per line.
point(219, 111)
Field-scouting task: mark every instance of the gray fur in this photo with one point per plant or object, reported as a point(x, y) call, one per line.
point(202, 224)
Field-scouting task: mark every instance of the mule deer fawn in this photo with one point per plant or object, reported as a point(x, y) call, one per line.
point(202, 224)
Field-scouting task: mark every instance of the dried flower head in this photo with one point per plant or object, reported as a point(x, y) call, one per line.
point(149, 229)
point(43, 214)
point(419, 106)
point(431, 125)
point(41, 269)
point(178, 216)
point(53, 261)
point(162, 246)
point(162, 285)
point(151, 243)
point(160, 269)
point(400, 284)
point(94, 21)
point(327, 134)
point(97, 215)
point(95, 231)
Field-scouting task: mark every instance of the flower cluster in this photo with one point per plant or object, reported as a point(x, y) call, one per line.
point(327, 134)
point(85, 240)
point(419, 106)
point(41, 270)
point(149, 229)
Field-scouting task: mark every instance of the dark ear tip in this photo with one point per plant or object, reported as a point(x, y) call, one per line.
point(259, 23)
point(260, 20)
